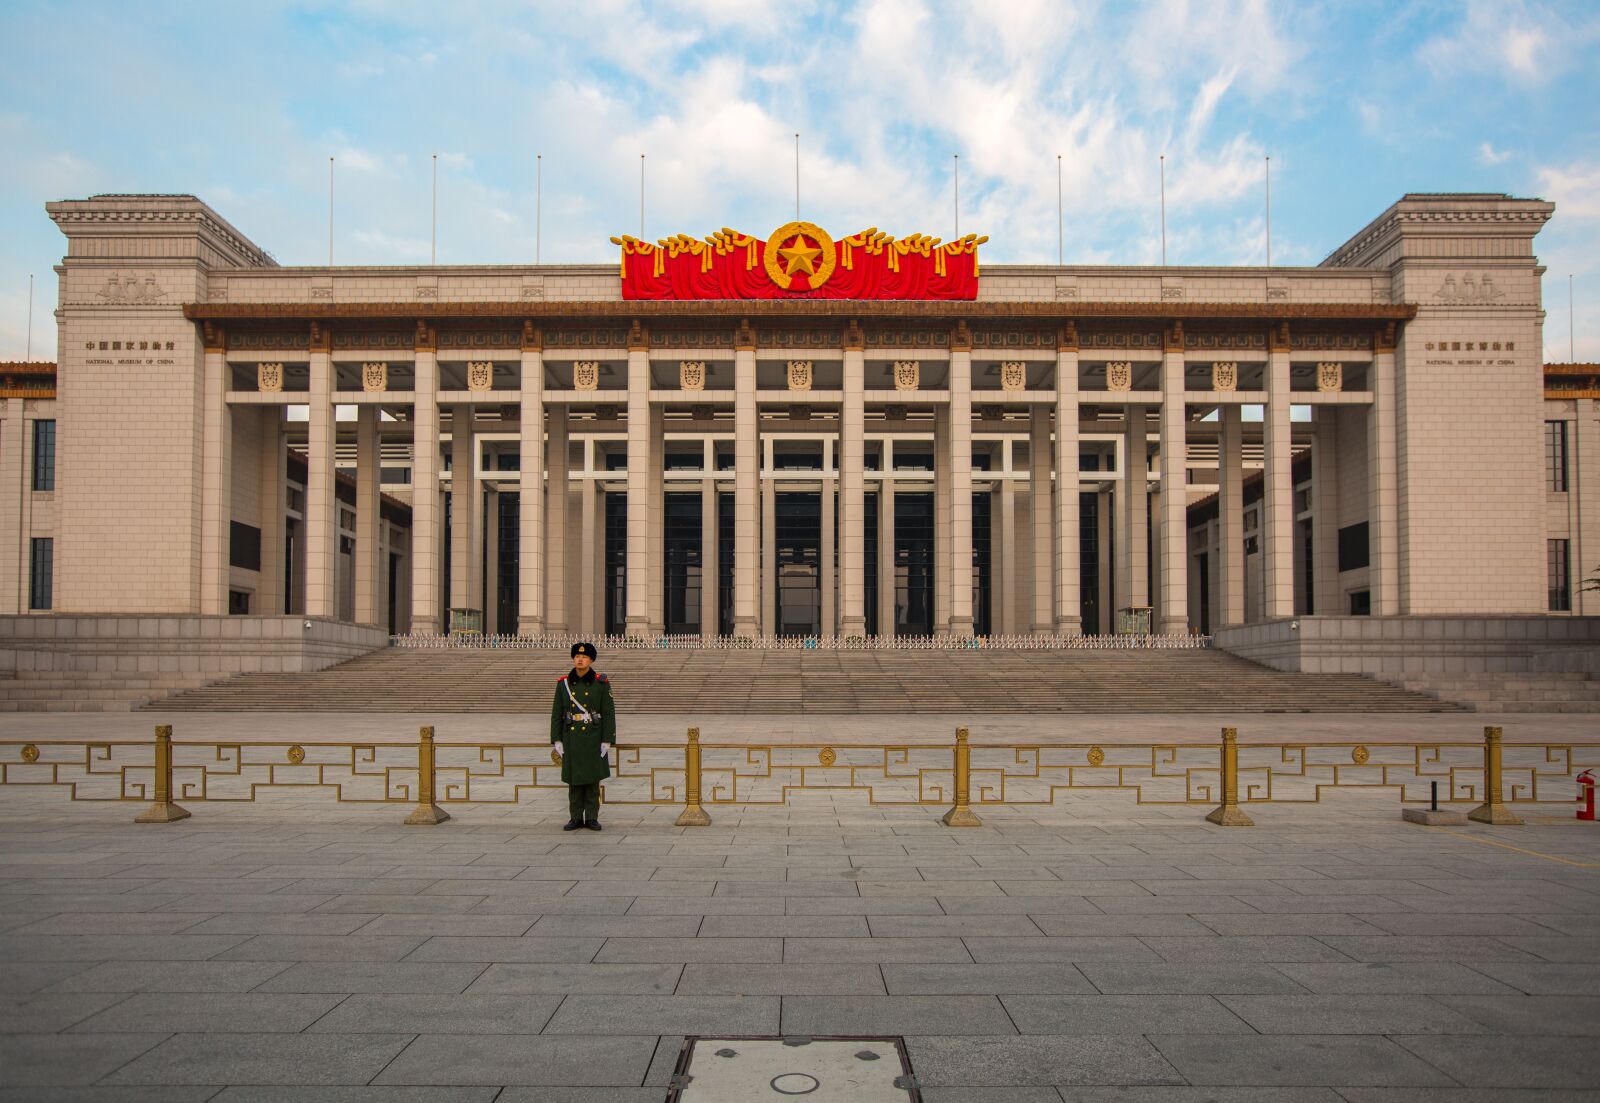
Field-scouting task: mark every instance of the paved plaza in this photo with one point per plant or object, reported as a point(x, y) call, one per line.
point(300, 949)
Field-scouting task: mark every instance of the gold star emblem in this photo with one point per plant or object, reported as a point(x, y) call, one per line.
point(800, 257)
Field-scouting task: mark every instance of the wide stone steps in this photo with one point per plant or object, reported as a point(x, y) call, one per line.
point(780, 682)
point(1563, 692)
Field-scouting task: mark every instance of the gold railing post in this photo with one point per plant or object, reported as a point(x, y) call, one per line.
point(426, 811)
point(692, 815)
point(1493, 809)
point(1228, 813)
point(961, 814)
point(163, 810)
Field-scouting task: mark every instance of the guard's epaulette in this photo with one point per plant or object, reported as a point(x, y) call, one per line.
point(602, 677)
point(562, 678)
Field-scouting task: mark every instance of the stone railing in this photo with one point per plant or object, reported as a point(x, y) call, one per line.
point(809, 643)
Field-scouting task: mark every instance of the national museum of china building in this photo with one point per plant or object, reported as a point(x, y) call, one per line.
point(705, 450)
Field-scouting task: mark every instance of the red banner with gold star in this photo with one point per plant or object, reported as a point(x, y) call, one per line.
point(800, 261)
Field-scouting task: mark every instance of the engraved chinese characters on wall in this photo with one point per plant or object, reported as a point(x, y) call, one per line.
point(1013, 375)
point(586, 375)
point(1119, 375)
point(692, 375)
point(1330, 377)
point(480, 375)
point(799, 375)
point(375, 376)
point(907, 375)
point(269, 378)
point(1225, 376)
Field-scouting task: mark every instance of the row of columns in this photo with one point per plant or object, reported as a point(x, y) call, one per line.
point(547, 598)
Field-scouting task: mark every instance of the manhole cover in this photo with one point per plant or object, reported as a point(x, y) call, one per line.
point(813, 1070)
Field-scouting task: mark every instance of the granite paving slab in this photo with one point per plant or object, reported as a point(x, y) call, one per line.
point(1334, 1060)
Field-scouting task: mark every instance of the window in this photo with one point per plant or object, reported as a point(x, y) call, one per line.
point(1361, 603)
point(244, 546)
point(238, 603)
point(1355, 550)
point(44, 455)
point(1555, 456)
point(1560, 577)
point(41, 572)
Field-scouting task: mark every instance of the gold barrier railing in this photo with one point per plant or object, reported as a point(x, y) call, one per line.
point(962, 776)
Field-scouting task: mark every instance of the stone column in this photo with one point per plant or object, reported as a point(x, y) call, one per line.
point(274, 506)
point(1174, 612)
point(1325, 512)
point(710, 569)
point(942, 543)
point(588, 604)
point(426, 518)
point(15, 486)
point(852, 484)
point(826, 587)
point(1230, 516)
point(1069, 606)
point(369, 553)
point(886, 571)
point(960, 469)
point(322, 508)
point(1277, 502)
point(639, 480)
point(491, 562)
point(1383, 482)
point(769, 548)
point(555, 527)
point(217, 480)
point(1133, 553)
point(746, 488)
point(466, 514)
point(530, 534)
point(1003, 556)
point(1041, 493)
point(657, 549)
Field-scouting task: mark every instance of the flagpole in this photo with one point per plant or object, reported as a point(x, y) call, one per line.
point(641, 197)
point(957, 181)
point(1163, 210)
point(1572, 341)
point(330, 212)
point(1061, 240)
point(433, 241)
point(538, 204)
point(797, 177)
point(1269, 212)
point(30, 316)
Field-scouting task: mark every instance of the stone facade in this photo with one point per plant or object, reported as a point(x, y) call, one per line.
point(192, 368)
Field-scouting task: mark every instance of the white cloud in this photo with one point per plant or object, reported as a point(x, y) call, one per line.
point(1518, 40)
point(1488, 155)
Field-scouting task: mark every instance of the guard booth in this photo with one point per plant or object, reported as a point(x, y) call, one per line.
point(1133, 620)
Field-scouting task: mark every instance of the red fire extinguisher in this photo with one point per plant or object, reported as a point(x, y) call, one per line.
point(1586, 782)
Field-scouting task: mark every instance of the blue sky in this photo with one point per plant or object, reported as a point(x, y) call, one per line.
point(1356, 103)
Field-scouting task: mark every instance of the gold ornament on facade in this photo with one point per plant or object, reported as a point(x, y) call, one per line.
point(1119, 375)
point(1225, 376)
point(375, 377)
point(586, 375)
point(480, 375)
point(1013, 375)
point(826, 756)
point(692, 375)
point(269, 378)
point(297, 755)
point(1330, 378)
point(30, 753)
point(1096, 756)
point(907, 375)
point(800, 249)
point(799, 375)
point(1360, 755)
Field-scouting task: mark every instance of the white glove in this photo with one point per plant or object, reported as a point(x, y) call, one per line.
point(560, 750)
point(605, 750)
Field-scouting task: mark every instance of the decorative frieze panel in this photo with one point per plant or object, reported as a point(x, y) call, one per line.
point(907, 375)
point(1220, 341)
point(1350, 342)
point(787, 338)
point(344, 338)
point(1014, 339)
point(1121, 339)
point(258, 339)
point(1330, 377)
point(679, 338)
point(799, 375)
point(131, 288)
point(480, 375)
point(586, 375)
point(375, 376)
point(587, 337)
point(1468, 289)
point(692, 375)
point(269, 378)
point(1225, 376)
point(907, 337)
point(479, 339)
point(1013, 375)
point(1119, 375)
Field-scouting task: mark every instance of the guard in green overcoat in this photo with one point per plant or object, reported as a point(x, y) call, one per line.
point(583, 725)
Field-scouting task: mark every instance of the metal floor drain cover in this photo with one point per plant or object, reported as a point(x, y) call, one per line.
point(815, 1070)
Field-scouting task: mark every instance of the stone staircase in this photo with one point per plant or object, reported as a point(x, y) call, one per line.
point(88, 690)
point(1511, 692)
point(714, 682)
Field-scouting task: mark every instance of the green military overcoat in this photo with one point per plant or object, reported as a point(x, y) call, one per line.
point(583, 764)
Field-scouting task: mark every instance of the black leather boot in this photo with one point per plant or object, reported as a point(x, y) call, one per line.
point(572, 825)
point(593, 825)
